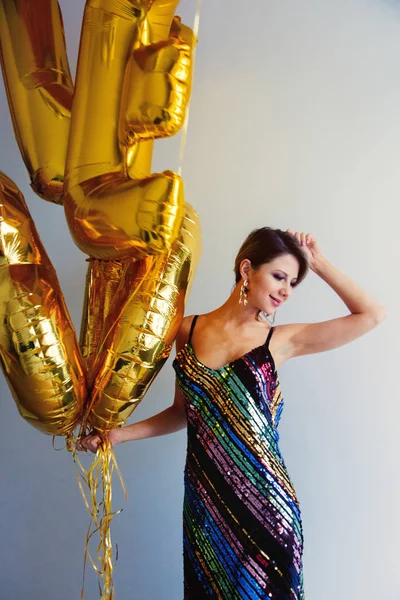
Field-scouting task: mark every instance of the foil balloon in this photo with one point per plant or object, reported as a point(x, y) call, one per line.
point(142, 56)
point(39, 89)
point(104, 283)
point(40, 356)
point(134, 225)
point(140, 328)
point(156, 87)
point(133, 86)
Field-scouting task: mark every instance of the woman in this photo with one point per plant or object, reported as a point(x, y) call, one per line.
point(242, 535)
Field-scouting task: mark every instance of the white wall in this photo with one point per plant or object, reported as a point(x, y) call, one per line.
point(295, 122)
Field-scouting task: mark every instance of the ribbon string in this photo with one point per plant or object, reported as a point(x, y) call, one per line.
point(196, 26)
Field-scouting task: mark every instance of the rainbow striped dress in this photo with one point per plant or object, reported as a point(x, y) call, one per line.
point(242, 528)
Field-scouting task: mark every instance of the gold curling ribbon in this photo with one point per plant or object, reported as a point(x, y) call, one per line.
point(99, 475)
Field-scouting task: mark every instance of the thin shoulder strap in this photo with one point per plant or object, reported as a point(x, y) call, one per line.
point(271, 331)
point(192, 327)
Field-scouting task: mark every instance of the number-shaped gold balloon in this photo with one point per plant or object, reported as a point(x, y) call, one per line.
point(133, 81)
point(133, 85)
point(39, 352)
point(39, 89)
point(139, 330)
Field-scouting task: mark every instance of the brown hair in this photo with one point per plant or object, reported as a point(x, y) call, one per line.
point(265, 244)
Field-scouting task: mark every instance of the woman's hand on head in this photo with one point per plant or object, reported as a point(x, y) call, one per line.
point(92, 441)
point(310, 245)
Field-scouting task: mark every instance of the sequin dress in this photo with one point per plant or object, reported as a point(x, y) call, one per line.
point(242, 528)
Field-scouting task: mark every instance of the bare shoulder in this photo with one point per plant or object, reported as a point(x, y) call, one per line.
point(280, 344)
point(183, 332)
point(298, 339)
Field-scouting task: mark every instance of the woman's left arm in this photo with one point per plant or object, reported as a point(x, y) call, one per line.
point(366, 312)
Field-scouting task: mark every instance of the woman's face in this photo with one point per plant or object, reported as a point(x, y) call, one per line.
point(275, 279)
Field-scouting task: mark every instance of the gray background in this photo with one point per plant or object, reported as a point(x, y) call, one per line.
point(294, 122)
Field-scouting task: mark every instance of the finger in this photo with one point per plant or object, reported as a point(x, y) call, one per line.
point(85, 443)
point(94, 443)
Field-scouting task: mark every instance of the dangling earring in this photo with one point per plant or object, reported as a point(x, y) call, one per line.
point(264, 317)
point(243, 293)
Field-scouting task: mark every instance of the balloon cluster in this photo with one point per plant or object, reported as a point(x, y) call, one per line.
point(89, 147)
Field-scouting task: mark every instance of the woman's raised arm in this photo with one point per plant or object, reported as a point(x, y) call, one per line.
point(366, 313)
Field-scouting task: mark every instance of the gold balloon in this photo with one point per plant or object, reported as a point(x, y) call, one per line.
point(141, 326)
point(133, 85)
point(157, 85)
point(104, 283)
point(39, 351)
point(114, 206)
point(39, 89)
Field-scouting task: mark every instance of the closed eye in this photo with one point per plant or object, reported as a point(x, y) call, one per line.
point(279, 277)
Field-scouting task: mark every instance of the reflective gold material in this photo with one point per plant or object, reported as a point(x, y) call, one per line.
point(137, 52)
point(104, 280)
point(156, 108)
point(40, 356)
point(140, 328)
point(133, 85)
point(39, 88)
